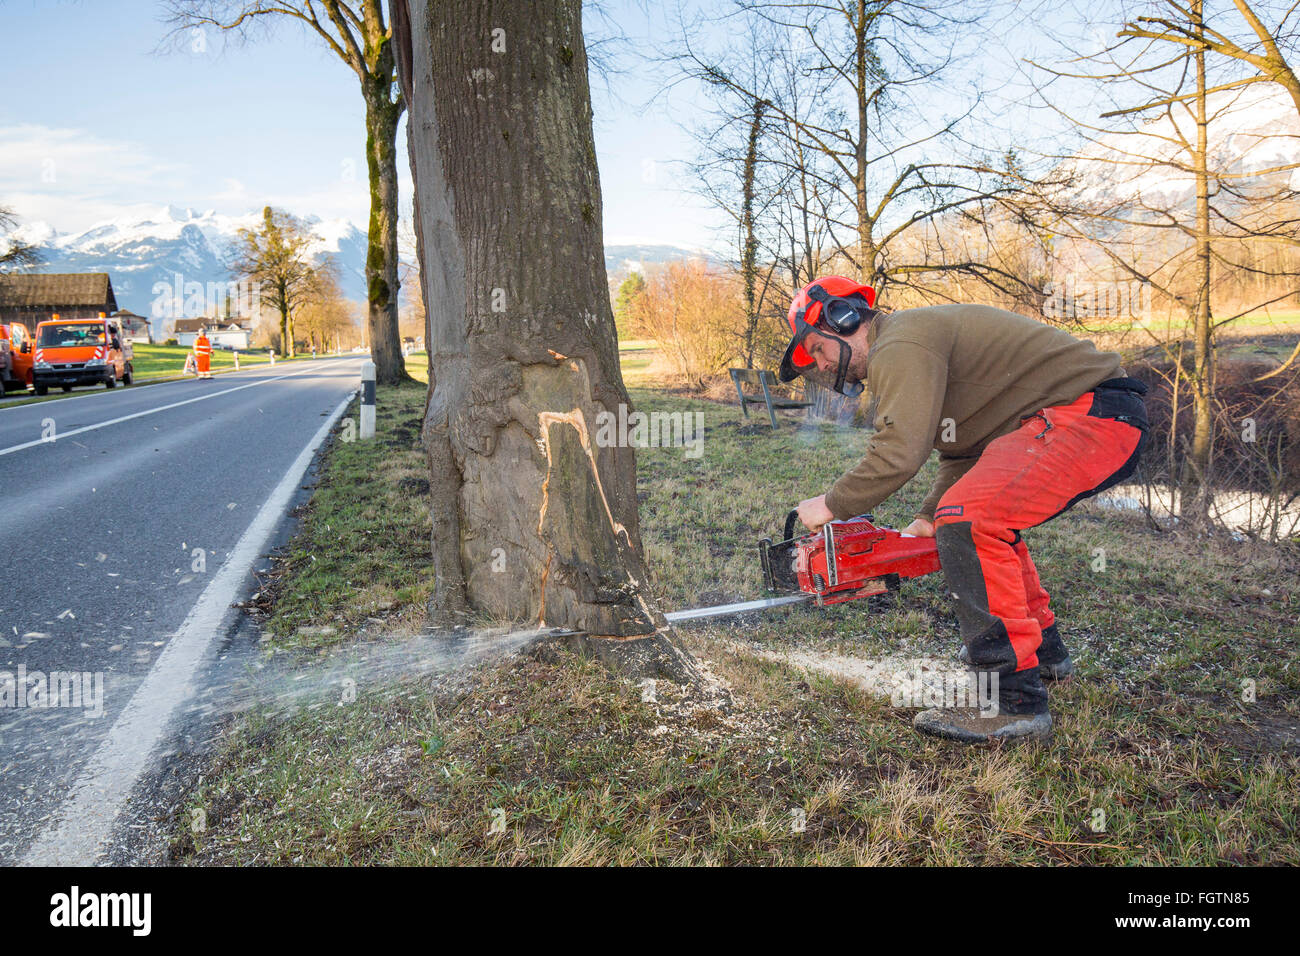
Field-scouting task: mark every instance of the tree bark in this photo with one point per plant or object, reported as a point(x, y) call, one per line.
point(382, 117)
point(535, 516)
point(862, 99)
point(749, 240)
point(286, 322)
point(1195, 492)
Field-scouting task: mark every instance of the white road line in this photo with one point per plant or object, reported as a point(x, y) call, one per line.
point(148, 411)
point(85, 821)
point(146, 382)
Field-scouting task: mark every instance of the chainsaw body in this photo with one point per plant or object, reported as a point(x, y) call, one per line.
point(844, 561)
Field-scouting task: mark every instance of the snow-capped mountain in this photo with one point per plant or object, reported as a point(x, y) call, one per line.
point(147, 251)
point(625, 257)
point(1250, 130)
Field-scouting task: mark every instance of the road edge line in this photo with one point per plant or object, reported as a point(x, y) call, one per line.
point(86, 817)
point(148, 411)
point(12, 401)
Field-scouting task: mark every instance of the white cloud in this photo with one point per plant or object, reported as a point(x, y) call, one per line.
point(232, 190)
point(72, 179)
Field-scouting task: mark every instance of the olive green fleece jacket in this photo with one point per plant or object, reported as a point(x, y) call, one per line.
point(954, 378)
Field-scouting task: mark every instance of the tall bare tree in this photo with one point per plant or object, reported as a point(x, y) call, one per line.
point(356, 32)
point(1124, 211)
point(274, 255)
point(1266, 45)
point(1264, 40)
point(534, 501)
point(732, 172)
point(861, 147)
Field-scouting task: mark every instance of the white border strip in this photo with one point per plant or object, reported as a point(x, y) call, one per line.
point(85, 821)
point(147, 411)
point(15, 400)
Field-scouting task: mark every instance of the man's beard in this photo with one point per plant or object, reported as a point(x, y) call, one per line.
point(847, 376)
point(858, 366)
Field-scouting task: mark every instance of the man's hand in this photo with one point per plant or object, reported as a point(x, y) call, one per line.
point(921, 528)
point(814, 513)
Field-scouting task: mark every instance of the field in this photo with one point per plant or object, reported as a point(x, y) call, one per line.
point(153, 361)
point(1177, 743)
point(156, 363)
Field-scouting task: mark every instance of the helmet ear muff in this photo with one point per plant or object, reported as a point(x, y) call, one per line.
point(842, 316)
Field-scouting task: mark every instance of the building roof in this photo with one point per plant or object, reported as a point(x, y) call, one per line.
point(182, 326)
point(34, 290)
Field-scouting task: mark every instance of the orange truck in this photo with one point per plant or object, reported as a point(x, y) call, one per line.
point(16, 357)
point(70, 352)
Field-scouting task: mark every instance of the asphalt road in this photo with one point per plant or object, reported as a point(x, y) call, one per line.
point(100, 560)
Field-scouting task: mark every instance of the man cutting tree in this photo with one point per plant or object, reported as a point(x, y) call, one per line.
point(1027, 419)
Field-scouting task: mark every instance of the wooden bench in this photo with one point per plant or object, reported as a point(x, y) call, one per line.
point(766, 381)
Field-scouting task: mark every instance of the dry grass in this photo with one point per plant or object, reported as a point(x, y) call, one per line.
point(545, 758)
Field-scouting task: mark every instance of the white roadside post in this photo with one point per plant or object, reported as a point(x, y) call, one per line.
point(236, 360)
point(367, 399)
point(272, 356)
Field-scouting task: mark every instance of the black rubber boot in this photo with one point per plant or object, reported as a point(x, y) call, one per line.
point(1053, 656)
point(968, 726)
point(1020, 712)
point(1054, 663)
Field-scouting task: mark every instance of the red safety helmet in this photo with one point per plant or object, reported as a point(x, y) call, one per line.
point(831, 305)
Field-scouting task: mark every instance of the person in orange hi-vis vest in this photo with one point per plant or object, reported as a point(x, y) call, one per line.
point(203, 354)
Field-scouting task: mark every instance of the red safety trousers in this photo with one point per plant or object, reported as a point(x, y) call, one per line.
point(1057, 457)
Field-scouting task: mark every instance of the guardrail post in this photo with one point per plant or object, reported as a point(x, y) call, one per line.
point(367, 399)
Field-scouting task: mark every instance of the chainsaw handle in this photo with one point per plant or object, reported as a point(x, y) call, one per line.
point(793, 516)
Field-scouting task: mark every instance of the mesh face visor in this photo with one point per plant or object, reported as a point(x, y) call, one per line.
point(797, 361)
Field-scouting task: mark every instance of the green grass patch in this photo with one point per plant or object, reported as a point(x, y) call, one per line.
point(1176, 744)
point(362, 551)
point(153, 364)
point(155, 360)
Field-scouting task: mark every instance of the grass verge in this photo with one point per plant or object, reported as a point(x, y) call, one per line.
point(361, 555)
point(1177, 743)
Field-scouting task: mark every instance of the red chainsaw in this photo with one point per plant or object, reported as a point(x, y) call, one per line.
point(844, 561)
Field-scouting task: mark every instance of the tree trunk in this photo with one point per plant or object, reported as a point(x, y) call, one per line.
point(534, 511)
point(382, 116)
point(866, 245)
point(749, 241)
point(286, 329)
point(1195, 492)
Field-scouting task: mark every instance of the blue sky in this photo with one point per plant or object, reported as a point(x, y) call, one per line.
point(96, 122)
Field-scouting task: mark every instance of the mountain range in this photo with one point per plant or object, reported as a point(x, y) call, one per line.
point(1252, 132)
point(143, 253)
